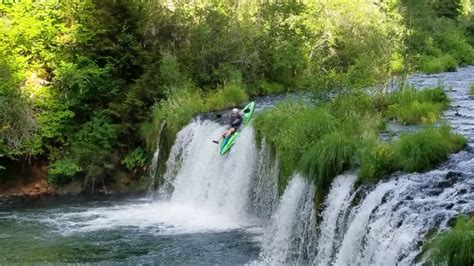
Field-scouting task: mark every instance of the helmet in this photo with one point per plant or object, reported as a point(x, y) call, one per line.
point(235, 110)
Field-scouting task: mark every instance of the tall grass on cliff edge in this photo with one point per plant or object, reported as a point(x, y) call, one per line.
point(291, 128)
point(423, 150)
point(453, 247)
point(329, 157)
point(179, 108)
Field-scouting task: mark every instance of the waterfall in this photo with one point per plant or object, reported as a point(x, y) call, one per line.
point(264, 186)
point(154, 161)
point(380, 224)
point(335, 207)
point(291, 230)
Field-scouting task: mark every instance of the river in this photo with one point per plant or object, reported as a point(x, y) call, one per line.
point(225, 210)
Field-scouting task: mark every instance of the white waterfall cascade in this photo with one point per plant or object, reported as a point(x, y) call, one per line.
point(382, 225)
point(335, 207)
point(283, 240)
point(207, 180)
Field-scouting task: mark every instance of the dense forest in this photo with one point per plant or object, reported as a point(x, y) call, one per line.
point(86, 86)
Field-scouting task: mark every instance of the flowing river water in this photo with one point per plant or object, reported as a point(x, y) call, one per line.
point(216, 209)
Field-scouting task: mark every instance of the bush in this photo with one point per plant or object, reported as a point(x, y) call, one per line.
point(330, 156)
point(453, 247)
point(229, 96)
point(439, 64)
point(264, 87)
point(136, 159)
point(421, 151)
point(62, 171)
point(377, 160)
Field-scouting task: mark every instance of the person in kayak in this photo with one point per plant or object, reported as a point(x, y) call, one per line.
point(236, 118)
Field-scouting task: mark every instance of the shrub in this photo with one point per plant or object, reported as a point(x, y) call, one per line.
point(263, 87)
point(62, 171)
point(136, 159)
point(330, 156)
point(439, 64)
point(229, 96)
point(421, 151)
point(377, 161)
point(453, 247)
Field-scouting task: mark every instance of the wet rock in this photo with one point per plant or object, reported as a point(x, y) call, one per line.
point(434, 191)
point(453, 175)
point(71, 189)
point(449, 206)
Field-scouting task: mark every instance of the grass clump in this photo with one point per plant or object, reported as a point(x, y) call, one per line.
point(454, 247)
point(421, 151)
point(377, 160)
point(229, 96)
point(411, 106)
point(329, 157)
point(443, 63)
point(291, 128)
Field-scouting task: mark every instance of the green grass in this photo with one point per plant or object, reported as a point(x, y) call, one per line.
point(291, 128)
point(453, 247)
point(344, 132)
point(330, 156)
point(423, 150)
point(443, 63)
point(179, 108)
point(377, 160)
point(410, 106)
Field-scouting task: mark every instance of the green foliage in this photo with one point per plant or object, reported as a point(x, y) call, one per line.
point(136, 159)
point(331, 155)
point(423, 150)
point(229, 96)
point(264, 87)
point(436, 41)
point(291, 128)
point(452, 247)
point(112, 68)
point(62, 171)
point(377, 160)
point(439, 64)
point(414, 106)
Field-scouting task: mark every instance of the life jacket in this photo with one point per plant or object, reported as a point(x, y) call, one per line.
point(235, 119)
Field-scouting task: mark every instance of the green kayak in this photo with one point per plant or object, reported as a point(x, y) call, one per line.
point(227, 143)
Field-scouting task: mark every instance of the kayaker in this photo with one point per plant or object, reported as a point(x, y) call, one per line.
point(236, 118)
